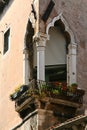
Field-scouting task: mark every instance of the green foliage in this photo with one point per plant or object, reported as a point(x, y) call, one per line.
point(42, 94)
point(73, 87)
point(16, 90)
point(55, 91)
point(74, 84)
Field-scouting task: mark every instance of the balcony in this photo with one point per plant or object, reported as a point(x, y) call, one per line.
point(55, 96)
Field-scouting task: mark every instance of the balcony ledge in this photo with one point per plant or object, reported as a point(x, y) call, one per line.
point(47, 101)
point(30, 98)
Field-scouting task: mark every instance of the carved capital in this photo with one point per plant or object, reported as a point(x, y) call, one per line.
point(73, 48)
point(73, 45)
point(25, 51)
point(40, 39)
point(33, 14)
point(32, 19)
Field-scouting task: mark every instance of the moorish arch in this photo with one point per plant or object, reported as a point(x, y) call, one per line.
point(40, 41)
point(66, 26)
point(71, 46)
point(28, 53)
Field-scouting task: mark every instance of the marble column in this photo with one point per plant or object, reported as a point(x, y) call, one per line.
point(40, 41)
point(71, 63)
point(25, 67)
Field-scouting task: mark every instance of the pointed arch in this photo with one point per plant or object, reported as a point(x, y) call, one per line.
point(28, 35)
point(71, 45)
point(28, 53)
point(66, 26)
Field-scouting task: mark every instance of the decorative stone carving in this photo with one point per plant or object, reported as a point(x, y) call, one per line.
point(72, 48)
point(40, 39)
point(33, 14)
point(67, 29)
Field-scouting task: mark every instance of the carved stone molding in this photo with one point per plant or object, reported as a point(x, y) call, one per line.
point(33, 14)
point(67, 28)
point(40, 39)
point(72, 48)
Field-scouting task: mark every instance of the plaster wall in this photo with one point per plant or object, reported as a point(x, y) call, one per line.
point(11, 63)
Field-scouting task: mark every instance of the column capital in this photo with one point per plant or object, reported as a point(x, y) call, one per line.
point(72, 48)
point(73, 45)
point(25, 51)
point(40, 39)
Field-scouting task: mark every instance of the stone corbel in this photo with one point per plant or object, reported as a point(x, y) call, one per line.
point(74, 127)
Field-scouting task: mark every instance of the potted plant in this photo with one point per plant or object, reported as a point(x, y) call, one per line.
point(14, 95)
point(23, 88)
point(74, 87)
point(18, 91)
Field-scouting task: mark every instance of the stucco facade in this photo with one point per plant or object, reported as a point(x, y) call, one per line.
point(15, 16)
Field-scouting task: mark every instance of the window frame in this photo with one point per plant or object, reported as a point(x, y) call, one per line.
point(8, 37)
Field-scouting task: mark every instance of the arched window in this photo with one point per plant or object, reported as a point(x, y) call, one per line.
point(60, 52)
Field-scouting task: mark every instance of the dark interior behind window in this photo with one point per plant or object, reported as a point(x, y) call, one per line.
point(6, 41)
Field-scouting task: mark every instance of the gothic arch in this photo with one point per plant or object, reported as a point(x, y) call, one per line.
point(71, 46)
point(66, 26)
point(28, 52)
point(29, 34)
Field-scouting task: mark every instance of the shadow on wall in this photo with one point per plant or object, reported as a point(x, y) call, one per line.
point(4, 5)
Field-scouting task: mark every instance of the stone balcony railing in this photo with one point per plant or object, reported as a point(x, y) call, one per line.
point(42, 95)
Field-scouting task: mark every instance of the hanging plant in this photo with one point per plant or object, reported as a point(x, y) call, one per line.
point(20, 89)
